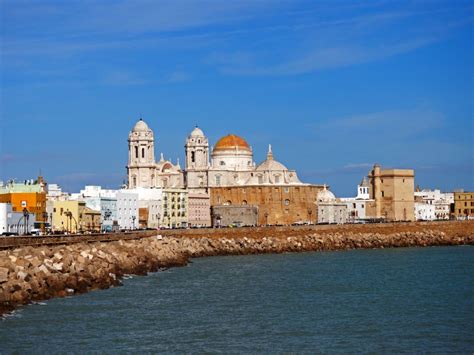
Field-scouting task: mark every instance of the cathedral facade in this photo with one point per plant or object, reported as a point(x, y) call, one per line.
point(227, 172)
point(230, 163)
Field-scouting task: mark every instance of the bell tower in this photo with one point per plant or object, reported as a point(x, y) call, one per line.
point(197, 160)
point(141, 156)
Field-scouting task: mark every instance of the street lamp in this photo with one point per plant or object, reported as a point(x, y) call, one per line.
point(26, 215)
point(133, 222)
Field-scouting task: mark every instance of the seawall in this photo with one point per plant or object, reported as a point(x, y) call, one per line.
point(39, 272)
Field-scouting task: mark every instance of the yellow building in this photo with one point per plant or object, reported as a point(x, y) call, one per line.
point(69, 216)
point(393, 193)
point(463, 205)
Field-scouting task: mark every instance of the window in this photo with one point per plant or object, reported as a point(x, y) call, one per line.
point(218, 180)
point(287, 189)
point(383, 194)
point(222, 163)
point(136, 152)
point(277, 179)
point(260, 179)
point(143, 152)
point(287, 202)
point(193, 157)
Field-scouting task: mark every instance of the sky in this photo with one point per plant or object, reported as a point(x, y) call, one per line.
point(334, 86)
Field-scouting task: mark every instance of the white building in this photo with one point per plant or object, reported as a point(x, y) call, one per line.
point(149, 206)
point(15, 222)
point(330, 210)
point(127, 209)
point(433, 204)
point(55, 193)
point(357, 206)
point(102, 200)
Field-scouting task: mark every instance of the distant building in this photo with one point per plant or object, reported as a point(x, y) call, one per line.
point(127, 209)
point(330, 210)
point(199, 209)
point(102, 200)
point(357, 206)
point(433, 204)
point(27, 196)
point(15, 222)
point(393, 193)
point(464, 205)
point(149, 206)
point(55, 193)
point(68, 216)
point(174, 208)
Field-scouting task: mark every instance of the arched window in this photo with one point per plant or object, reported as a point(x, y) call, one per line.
point(287, 202)
point(244, 202)
point(143, 152)
point(193, 157)
point(277, 179)
point(136, 152)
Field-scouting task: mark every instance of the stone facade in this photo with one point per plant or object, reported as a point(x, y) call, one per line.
point(234, 216)
point(393, 193)
point(276, 204)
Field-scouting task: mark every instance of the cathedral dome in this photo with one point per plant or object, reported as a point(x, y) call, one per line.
point(231, 142)
point(197, 132)
point(140, 126)
point(271, 165)
point(325, 195)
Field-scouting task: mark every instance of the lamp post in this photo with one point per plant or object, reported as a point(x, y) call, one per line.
point(26, 215)
point(310, 212)
point(133, 222)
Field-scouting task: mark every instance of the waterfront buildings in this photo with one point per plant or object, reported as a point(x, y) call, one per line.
point(12, 222)
point(393, 193)
point(433, 204)
point(27, 197)
point(68, 216)
point(464, 205)
point(330, 209)
point(357, 206)
point(199, 209)
point(174, 208)
point(127, 209)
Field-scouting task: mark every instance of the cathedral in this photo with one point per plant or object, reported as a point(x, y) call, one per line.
point(228, 175)
point(231, 163)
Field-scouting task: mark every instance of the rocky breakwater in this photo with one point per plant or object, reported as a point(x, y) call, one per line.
point(31, 274)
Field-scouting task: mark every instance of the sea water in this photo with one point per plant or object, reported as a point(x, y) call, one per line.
point(385, 300)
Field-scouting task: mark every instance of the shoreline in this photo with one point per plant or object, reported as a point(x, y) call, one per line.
point(36, 273)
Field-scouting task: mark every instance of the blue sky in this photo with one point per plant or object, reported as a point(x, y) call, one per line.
point(334, 86)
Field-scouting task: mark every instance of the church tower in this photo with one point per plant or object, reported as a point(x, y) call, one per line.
point(197, 160)
point(141, 156)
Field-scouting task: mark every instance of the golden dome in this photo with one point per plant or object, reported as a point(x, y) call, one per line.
point(230, 142)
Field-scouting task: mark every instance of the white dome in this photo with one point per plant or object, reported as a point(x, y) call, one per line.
point(140, 126)
point(271, 165)
point(325, 195)
point(197, 132)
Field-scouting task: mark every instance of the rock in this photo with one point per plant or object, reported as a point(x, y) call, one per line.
point(3, 274)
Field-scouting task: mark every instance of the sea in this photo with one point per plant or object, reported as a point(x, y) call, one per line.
point(403, 300)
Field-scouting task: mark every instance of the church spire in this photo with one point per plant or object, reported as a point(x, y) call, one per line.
point(270, 153)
